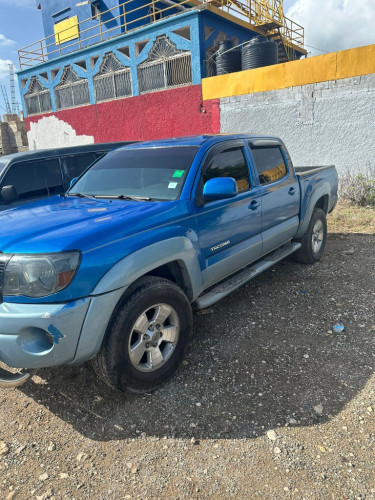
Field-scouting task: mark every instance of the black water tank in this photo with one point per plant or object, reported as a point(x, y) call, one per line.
point(259, 52)
point(227, 58)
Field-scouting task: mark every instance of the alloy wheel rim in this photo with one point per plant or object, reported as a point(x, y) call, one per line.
point(317, 236)
point(153, 338)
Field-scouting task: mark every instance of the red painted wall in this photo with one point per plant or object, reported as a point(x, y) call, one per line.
point(162, 114)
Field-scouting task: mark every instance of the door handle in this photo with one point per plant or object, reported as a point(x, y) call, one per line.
point(291, 191)
point(254, 205)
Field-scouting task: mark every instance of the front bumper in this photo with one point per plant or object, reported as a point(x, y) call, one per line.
point(38, 335)
point(43, 335)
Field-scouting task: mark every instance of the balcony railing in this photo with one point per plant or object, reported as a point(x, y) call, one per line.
point(106, 25)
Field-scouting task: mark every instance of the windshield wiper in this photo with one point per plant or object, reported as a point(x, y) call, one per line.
point(123, 197)
point(81, 195)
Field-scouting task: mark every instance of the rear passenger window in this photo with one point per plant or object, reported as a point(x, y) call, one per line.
point(229, 163)
point(77, 164)
point(35, 178)
point(270, 164)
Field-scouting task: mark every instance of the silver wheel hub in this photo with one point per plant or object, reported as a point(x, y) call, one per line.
point(317, 236)
point(153, 338)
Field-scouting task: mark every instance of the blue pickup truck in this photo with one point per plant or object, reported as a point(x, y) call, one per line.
point(112, 270)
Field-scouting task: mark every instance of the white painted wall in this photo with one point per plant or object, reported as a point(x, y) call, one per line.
point(50, 132)
point(323, 123)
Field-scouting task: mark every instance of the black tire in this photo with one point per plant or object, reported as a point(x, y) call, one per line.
point(307, 254)
point(113, 363)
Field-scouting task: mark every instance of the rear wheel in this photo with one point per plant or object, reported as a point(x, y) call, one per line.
point(146, 337)
point(314, 240)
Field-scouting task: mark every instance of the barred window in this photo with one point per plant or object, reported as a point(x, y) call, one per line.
point(37, 98)
point(72, 90)
point(113, 80)
point(166, 67)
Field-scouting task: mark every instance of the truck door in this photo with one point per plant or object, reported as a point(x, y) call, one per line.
point(279, 191)
point(229, 229)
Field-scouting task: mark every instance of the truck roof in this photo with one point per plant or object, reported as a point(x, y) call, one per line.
point(194, 140)
point(46, 153)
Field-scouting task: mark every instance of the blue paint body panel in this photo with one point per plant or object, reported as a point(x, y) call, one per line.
point(122, 240)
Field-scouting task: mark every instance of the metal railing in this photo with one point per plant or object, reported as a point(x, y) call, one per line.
point(38, 98)
point(129, 16)
point(113, 85)
point(103, 29)
point(72, 90)
point(257, 12)
point(38, 103)
point(169, 73)
point(267, 15)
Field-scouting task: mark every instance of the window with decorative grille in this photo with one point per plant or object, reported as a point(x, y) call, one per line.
point(113, 80)
point(72, 90)
point(37, 98)
point(166, 67)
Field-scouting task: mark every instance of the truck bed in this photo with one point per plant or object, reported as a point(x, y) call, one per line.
point(302, 171)
point(309, 177)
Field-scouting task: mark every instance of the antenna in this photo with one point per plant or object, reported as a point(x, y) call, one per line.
point(12, 88)
point(6, 100)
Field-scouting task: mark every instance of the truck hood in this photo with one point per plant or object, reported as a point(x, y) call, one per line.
point(58, 223)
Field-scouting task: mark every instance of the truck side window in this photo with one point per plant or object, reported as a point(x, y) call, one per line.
point(229, 163)
point(35, 178)
point(77, 164)
point(270, 164)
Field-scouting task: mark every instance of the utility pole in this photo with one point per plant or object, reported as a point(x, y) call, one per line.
point(12, 88)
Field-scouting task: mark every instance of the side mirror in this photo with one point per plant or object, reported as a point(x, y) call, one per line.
point(72, 182)
point(220, 188)
point(9, 194)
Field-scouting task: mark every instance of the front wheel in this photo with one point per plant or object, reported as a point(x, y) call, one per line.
point(314, 240)
point(146, 337)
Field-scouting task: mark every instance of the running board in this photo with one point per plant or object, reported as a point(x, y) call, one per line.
point(241, 277)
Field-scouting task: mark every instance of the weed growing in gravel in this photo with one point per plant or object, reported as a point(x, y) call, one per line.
point(359, 188)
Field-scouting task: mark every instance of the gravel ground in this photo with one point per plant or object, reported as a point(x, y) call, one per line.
point(269, 403)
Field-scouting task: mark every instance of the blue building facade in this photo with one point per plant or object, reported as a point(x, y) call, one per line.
point(96, 51)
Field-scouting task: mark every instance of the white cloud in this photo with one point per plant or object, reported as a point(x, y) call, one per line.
point(334, 25)
point(4, 69)
point(4, 41)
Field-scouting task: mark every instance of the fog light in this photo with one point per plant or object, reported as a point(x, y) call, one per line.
point(36, 341)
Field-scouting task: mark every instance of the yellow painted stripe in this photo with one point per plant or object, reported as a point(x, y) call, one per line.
point(333, 66)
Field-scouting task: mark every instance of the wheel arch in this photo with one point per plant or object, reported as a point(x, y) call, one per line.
point(176, 272)
point(175, 259)
point(323, 203)
point(320, 198)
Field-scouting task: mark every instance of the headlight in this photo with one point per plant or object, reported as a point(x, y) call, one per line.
point(39, 275)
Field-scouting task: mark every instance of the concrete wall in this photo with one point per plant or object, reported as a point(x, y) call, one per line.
point(322, 107)
point(151, 116)
point(13, 138)
point(329, 122)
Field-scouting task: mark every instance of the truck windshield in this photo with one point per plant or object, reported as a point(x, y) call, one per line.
point(2, 167)
point(148, 173)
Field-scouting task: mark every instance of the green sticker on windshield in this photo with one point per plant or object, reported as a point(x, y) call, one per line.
point(178, 173)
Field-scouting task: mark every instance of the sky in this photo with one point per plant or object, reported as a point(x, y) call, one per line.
point(330, 25)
